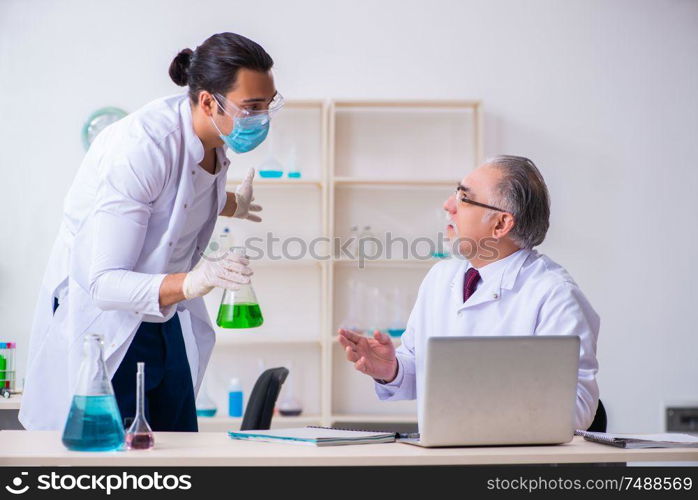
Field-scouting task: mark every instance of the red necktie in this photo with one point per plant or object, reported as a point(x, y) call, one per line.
point(472, 276)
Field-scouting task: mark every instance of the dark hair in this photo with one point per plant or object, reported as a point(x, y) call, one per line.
point(522, 192)
point(214, 65)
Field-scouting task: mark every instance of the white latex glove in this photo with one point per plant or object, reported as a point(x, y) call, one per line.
point(225, 271)
point(244, 199)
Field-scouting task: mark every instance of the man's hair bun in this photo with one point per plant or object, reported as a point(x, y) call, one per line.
point(179, 67)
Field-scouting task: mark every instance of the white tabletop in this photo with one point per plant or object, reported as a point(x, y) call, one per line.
point(214, 448)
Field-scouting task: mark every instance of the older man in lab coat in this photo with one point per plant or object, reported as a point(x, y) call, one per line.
point(497, 215)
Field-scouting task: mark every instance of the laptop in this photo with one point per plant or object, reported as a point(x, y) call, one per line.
point(485, 391)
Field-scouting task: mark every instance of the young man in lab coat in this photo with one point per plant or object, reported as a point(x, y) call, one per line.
point(135, 224)
point(497, 215)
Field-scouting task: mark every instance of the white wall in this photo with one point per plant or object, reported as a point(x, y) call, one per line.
point(600, 94)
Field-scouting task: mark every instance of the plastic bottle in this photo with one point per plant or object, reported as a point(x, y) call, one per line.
point(235, 398)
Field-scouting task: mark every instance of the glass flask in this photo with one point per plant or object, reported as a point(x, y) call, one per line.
point(94, 422)
point(140, 436)
point(353, 319)
point(205, 407)
point(397, 324)
point(271, 167)
point(239, 309)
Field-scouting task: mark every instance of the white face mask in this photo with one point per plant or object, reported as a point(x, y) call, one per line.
point(248, 131)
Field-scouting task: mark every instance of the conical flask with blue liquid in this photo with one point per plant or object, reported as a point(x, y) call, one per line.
point(94, 421)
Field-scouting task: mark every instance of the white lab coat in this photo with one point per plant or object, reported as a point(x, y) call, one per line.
point(122, 218)
point(525, 293)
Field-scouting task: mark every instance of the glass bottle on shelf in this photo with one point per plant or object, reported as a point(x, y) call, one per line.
point(205, 406)
point(375, 310)
point(368, 244)
point(270, 167)
point(398, 321)
point(94, 421)
point(442, 250)
point(140, 436)
point(239, 308)
point(352, 321)
point(293, 171)
point(353, 241)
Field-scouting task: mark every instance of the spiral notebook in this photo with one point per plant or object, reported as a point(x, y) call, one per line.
point(315, 436)
point(666, 440)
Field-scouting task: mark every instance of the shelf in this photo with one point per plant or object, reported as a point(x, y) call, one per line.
point(364, 181)
point(317, 104)
point(231, 184)
point(448, 105)
point(264, 263)
point(396, 340)
point(396, 418)
point(225, 337)
point(390, 262)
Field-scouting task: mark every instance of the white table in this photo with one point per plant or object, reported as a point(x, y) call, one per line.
point(27, 448)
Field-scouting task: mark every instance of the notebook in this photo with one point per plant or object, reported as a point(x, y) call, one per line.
point(315, 436)
point(667, 440)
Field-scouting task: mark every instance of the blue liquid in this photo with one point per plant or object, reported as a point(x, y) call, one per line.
point(294, 175)
point(235, 404)
point(94, 424)
point(439, 255)
point(271, 173)
point(395, 332)
point(209, 412)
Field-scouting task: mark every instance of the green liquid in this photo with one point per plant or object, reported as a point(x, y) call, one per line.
point(239, 316)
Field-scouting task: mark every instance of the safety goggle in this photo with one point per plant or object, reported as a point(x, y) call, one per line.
point(270, 108)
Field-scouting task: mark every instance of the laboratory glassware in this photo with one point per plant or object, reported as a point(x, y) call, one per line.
point(368, 244)
point(352, 321)
point(397, 324)
point(7, 367)
point(271, 167)
point(293, 171)
point(239, 308)
point(205, 407)
point(354, 241)
point(94, 422)
point(140, 436)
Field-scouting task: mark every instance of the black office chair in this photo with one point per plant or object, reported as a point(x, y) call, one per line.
point(600, 421)
point(260, 406)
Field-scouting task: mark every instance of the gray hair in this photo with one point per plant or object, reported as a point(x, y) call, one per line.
point(523, 193)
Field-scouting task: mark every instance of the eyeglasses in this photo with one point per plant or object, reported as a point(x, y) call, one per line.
point(269, 108)
point(462, 198)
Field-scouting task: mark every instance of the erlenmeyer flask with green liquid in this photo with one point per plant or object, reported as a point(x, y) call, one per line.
point(239, 309)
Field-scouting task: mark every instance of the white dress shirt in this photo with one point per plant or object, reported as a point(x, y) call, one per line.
point(525, 293)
